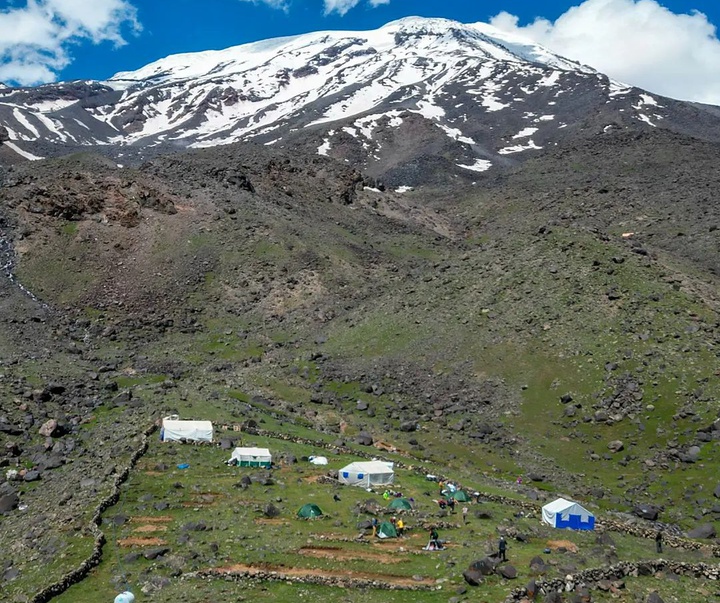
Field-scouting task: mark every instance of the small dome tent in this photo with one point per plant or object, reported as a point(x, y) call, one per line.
point(386, 530)
point(367, 474)
point(563, 513)
point(309, 510)
point(460, 496)
point(400, 504)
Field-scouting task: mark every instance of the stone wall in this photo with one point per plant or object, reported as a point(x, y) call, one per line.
point(79, 573)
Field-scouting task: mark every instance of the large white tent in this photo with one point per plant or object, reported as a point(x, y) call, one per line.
point(252, 457)
point(173, 430)
point(563, 513)
point(367, 474)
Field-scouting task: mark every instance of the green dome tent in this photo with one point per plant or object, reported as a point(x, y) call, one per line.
point(400, 504)
point(386, 530)
point(309, 510)
point(460, 496)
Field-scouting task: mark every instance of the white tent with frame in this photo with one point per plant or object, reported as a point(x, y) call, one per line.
point(173, 430)
point(251, 457)
point(562, 513)
point(367, 474)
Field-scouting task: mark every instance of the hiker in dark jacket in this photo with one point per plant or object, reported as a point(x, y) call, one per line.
point(502, 548)
point(658, 542)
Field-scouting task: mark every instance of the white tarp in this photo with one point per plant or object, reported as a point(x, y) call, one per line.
point(367, 474)
point(252, 456)
point(173, 429)
point(562, 513)
point(318, 460)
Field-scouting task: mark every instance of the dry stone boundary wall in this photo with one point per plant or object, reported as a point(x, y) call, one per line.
point(81, 572)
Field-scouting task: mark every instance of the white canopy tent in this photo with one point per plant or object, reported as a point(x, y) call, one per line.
point(174, 430)
point(563, 513)
point(367, 474)
point(252, 457)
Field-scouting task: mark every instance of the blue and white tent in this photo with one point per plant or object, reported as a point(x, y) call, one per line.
point(563, 513)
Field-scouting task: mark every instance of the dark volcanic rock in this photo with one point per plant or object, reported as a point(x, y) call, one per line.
point(704, 531)
point(473, 577)
point(650, 512)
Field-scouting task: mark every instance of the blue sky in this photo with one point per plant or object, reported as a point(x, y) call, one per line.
point(666, 46)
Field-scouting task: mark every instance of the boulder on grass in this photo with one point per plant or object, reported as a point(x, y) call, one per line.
point(704, 531)
point(473, 577)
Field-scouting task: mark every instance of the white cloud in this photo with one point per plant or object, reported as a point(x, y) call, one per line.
point(638, 42)
point(279, 4)
point(35, 39)
point(343, 6)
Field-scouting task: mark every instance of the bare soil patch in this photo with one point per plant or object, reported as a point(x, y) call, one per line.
point(340, 554)
point(558, 544)
point(147, 528)
point(271, 521)
point(149, 519)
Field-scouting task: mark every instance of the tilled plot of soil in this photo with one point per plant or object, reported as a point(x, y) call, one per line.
point(329, 552)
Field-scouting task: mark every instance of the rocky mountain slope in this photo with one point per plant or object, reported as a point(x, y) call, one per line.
point(469, 93)
point(554, 315)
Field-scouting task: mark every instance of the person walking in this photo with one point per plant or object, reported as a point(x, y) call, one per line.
point(400, 527)
point(502, 548)
point(465, 514)
point(658, 541)
point(451, 504)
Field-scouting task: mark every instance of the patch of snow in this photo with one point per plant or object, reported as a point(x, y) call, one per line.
point(324, 148)
point(404, 189)
point(17, 114)
point(456, 134)
point(19, 151)
point(550, 80)
point(48, 106)
point(519, 148)
point(648, 100)
point(545, 118)
point(525, 132)
point(370, 188)
point(480, 165)
point(646, 119)
point(429, 110)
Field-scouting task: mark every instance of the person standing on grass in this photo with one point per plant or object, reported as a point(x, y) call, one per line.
point(451, 504)
point(658, 541)
point(465, 514)
point(502, 548)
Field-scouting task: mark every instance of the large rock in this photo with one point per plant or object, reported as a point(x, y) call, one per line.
point(8, 499)
point(151, 554)
point(654, 598)
point(50, 429)
point(508, 572)
point(615, 446)
point(473, 577)
point(704, 531)
point(650, 512)
point(716, 492)
point(364, 439)
point(485, 566)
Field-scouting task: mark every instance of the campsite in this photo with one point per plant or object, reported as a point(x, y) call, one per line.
point(187, 519)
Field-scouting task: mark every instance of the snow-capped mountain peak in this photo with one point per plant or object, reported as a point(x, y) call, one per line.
point(492, 97)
